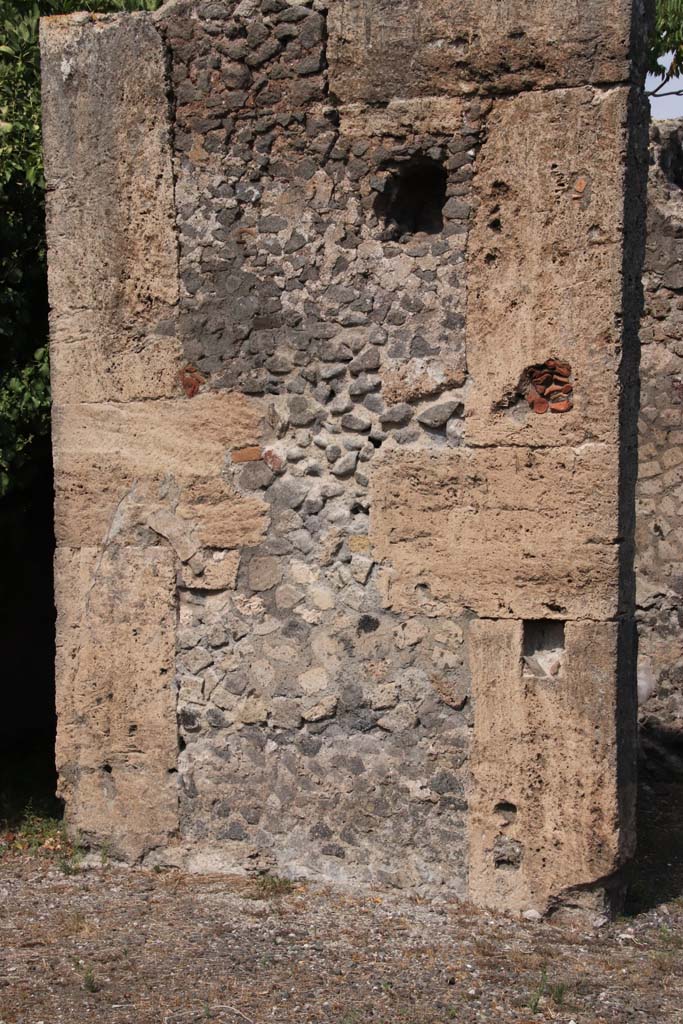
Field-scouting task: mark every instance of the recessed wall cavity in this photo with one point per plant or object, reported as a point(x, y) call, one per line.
point(543, 648)
point(412, 197)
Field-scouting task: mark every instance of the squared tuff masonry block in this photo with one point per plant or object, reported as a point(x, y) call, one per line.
point(113, 273)
point(545, 267)
point(457, 46)
point(504, 532)
point(117, 739)
point(120, 463)
point(302, 273)
point(545, 803)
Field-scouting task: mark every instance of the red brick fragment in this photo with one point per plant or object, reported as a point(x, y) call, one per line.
point(273, 460)
point(191, 380)
point(252, 454)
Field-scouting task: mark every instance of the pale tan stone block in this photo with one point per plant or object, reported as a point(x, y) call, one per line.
point(110, 210)
point(545, 264)
point(546, 814)
point(504, 532)
point(116, 737)
point(117, 465)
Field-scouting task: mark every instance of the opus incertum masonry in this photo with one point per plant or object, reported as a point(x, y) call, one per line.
point(344, 345)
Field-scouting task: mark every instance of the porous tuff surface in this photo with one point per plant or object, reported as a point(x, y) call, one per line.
point(307, 515)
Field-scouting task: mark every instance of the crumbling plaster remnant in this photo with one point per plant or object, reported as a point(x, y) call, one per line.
point(331, 247)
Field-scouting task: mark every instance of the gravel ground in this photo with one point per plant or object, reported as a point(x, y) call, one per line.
point(135, 947)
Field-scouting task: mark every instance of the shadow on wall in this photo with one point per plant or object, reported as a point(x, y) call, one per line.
point(27, 724)
point(657, 873)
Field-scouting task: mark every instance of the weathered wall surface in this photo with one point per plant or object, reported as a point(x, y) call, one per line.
point(659, 510)
point(343, 404)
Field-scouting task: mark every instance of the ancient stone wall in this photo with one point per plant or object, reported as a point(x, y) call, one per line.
point(344, 355)
point(659, 511)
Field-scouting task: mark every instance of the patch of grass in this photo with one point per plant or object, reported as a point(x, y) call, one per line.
point(35, 832)
point(662, 961)
point(267, 887)
point(555, 990)
point(669, 938)
point(538, 993)
point(558, 992)
point(70, 862)
point(72, 925)
point(41, 835)
point(90, 983)
point(27, 783)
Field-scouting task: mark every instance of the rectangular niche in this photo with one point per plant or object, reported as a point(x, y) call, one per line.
point(543, 648)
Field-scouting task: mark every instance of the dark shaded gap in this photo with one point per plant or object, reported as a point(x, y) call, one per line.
point(414, 198)
point(27, 617)
point(656, 874)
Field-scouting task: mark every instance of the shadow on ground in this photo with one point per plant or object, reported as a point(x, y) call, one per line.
point(656, 876)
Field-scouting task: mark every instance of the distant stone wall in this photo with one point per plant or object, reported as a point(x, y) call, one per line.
point(659, 557)
point(344, 354)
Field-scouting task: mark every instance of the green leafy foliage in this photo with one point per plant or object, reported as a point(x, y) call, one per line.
point(24, 413)
point(667, 39)
point(24, 377)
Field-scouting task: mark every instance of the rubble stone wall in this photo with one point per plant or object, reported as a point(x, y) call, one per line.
point(659, 510)
point(344, 353)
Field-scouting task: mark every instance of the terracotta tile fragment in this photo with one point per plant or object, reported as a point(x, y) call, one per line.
point(549, 386)
point(563, 406)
